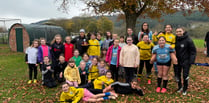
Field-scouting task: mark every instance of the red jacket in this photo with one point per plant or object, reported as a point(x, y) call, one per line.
point(68, 51)
point(109, 55)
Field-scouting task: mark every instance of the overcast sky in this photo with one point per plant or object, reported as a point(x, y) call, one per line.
point(30, 11)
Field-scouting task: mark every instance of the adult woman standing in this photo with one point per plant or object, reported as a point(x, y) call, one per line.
point(129, 59)
point(185, 53)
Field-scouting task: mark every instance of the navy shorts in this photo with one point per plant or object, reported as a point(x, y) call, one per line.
point(167, 64)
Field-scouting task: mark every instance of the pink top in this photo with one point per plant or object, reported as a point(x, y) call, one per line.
point(45, 50)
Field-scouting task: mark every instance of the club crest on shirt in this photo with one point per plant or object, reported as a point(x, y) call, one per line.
point(182, 45)
point(170, 37)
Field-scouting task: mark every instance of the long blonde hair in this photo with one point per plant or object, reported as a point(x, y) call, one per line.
point(53, 41)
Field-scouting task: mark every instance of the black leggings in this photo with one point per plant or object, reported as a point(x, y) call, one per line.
point(148, 67)
point(32, 67)
point(90, 87)
point(114, 72)
point(185, 69)
point(129, 73)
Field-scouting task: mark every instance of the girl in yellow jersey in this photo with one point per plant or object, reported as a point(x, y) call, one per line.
point(169, 36)
point(145, 48)
point(74, 95)
point(171, 40)
point(93, 70)
point(94, 47)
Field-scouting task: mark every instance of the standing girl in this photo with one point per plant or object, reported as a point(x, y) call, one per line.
point(162, 53)
point(31, 60)
point(129, 59)
point(99, 38)
point(145, 49)
point(71, 74)
point(94, 47)
point(93, 70)
point(43, 50)
point(145, 31)
point(107, 40)
point(68, 48)
point(171, 40)
point(47, 71)
point(57, 48)
point(112, 58)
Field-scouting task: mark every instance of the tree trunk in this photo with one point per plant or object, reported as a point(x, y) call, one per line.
point(131, 21)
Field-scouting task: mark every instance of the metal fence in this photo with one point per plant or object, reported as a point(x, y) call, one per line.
point(4, 38)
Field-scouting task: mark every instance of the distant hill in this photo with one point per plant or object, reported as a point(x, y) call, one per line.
point(177, 19)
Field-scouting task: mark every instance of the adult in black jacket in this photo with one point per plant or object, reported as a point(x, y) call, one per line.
point(80, 42)
point(130, 33)
point(207, 43)
point(185, 53)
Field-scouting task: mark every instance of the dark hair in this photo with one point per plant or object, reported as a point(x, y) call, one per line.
point(85, 54)
point(71, 60)
point(145, 31)
point(134, 80)
point(93, 34)
point(64, 83)
point(122, 37)
point(129, 37)
point(167, 25)
point(62, 55)
point(108, 71)
point(162, 37)
point(107, 37)
point(96, 59)
point(102, 55)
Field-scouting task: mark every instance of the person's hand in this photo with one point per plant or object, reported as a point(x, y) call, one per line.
point(26, 62)
point(135, 65)
point(49, 67)
point(61, 75)
point(151, 62)
point(121, 65)
point(84, 73)
point(155, 33)
point(142, 32)
point(102, 83)
point(36, 65)
point(89, 81)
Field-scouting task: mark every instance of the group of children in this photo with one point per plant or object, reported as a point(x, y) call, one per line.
point(98, 68)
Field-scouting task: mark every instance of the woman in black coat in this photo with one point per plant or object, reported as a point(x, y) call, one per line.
point(185, 53)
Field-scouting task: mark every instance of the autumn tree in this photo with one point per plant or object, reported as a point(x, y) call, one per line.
point(104, 24)
point(132, 9)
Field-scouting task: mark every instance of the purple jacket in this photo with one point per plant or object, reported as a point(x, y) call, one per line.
point(109, 55)
point(40, 54)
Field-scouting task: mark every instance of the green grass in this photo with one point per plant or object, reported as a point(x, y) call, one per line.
point(14, 87)
point(199, 43)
